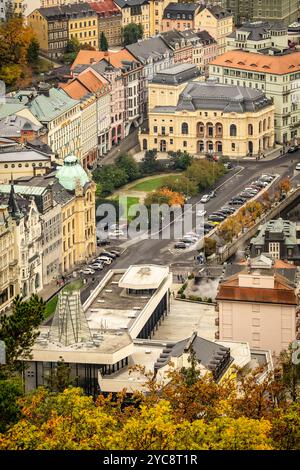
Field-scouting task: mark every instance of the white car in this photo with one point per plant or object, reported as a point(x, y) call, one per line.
point(205, 198)
point(116, 234)
point(201, 213)
point(297, 166)
point(88, 271)
point(105, 260)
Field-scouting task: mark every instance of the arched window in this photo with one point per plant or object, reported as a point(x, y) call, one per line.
point(250, 129)
point(264, 125)
point(200, 129)
point(144, 144)
point(259, 127)
point(232, 130)
point(184, 128)
point(269, 122)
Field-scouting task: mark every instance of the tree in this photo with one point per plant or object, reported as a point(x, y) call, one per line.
point(285, 185)
point(10, 73)
point(209, 246)
point(164, 196)
point(19, 329)
point(110, 177)
point(290, 373)
point(60, 378)
point(103, 42)
point(10, 391)
point(191, 374)
point(73, 45)
point(204, 173)
point(131, 33)
point(149, 163)
point(180, 185)
point(181, 160)
point(33, 51)
point(129, 165)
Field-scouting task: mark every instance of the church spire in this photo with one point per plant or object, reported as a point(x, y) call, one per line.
point(13, 206)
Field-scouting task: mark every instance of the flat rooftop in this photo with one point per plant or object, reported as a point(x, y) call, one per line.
point(23, 156)
point(144, 277)
point(185, 318)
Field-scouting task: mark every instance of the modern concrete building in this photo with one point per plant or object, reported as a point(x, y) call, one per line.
point(259, 304)
point(206, 117)
point(279, 239)
point(276, 75)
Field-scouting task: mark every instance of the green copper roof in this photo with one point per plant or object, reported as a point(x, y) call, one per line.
point(71, 173)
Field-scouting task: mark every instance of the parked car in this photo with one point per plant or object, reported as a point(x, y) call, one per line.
point(230, 210)
point(180, 245)
point(236, 202)
point(247, 194)
point(116, 233)
point(201, 213)
point(268, 178)
point(220, 213)
point(115, 252)
point(97, 266)
point(228, 165)
point(293, 148)
point(215, 218)
point(205, 198)
point(102, 241)
point(109, 254)
point(105, 259)
point(297, 167)
point(88, 271)
point(212, 194)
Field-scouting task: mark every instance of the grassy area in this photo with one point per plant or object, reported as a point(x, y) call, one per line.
point(51, 305)
point(152, 183)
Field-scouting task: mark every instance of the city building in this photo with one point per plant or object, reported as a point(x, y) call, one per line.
point(277, 76)
point(154, 54)
point(109, 21)
point(74, 192)
point(82, 24)
point(217, 21)
point(294, 34)
point(204, 48)
point(9, 270)
point(127, 304)
point(93, 91)
point(157, 8)
point(132, 78)
point(137, 12)
point(19, 161)
point(21, 129)
point(50, 218)
point(279, 239)
point(28, 240)
point(259, 304)
point(182, 48)
point(51, 29)
point(245, 10)
point(179, 16)
point(61, 115)
point(254, 36)
point(205, 117)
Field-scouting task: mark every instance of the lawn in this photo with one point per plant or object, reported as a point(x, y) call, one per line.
point(152, 183)
point(130, 200)
point(51, 305)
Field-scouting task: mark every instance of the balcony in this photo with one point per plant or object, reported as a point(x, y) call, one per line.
point(217, 321)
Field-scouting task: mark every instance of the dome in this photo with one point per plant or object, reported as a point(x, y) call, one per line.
point(71, 173)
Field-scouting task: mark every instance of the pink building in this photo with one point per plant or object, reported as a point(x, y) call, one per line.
point(260, 305)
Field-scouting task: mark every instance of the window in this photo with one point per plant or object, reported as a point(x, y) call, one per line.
point(184, 128)
point(233, 130)
point(255, 308)
point(250, 129)
point(155, 129)
point(274, 250)
point(233, 147)
point(185, 143)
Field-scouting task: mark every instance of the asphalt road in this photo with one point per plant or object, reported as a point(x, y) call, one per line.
point(162, 251)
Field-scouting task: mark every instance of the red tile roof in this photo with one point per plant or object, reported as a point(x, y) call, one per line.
point(84, 83)
point(106, 7)
point(279, 64)
point(90, 57)
point(282, 293)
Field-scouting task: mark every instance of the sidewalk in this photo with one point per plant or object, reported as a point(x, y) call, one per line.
point(269, 155)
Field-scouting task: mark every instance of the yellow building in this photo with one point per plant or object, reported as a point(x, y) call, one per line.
point(137, 12)
point(206, 117)
point(156, 11)
point(83, 25)
point(9, 271)
point(77, 213)
point(217, 22)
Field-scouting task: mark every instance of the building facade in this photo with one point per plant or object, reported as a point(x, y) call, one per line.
point(279, 240)
point(245, 10)
point(260, 306)
point(9, 270)
point(82, 24)
point(217, 21)
point(137, 12)
point(109, 22)
point(61, 115)
point(258, 35)
point(277, 76)
point(179, 16)
point(206, 118)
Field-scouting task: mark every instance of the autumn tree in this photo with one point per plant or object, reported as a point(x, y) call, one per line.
point(285, 185)
point(290, 373)
point(180, 184)
point(164, 196)
point(209, 246)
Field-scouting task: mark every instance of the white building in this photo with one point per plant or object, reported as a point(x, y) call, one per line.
point(257, 35)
